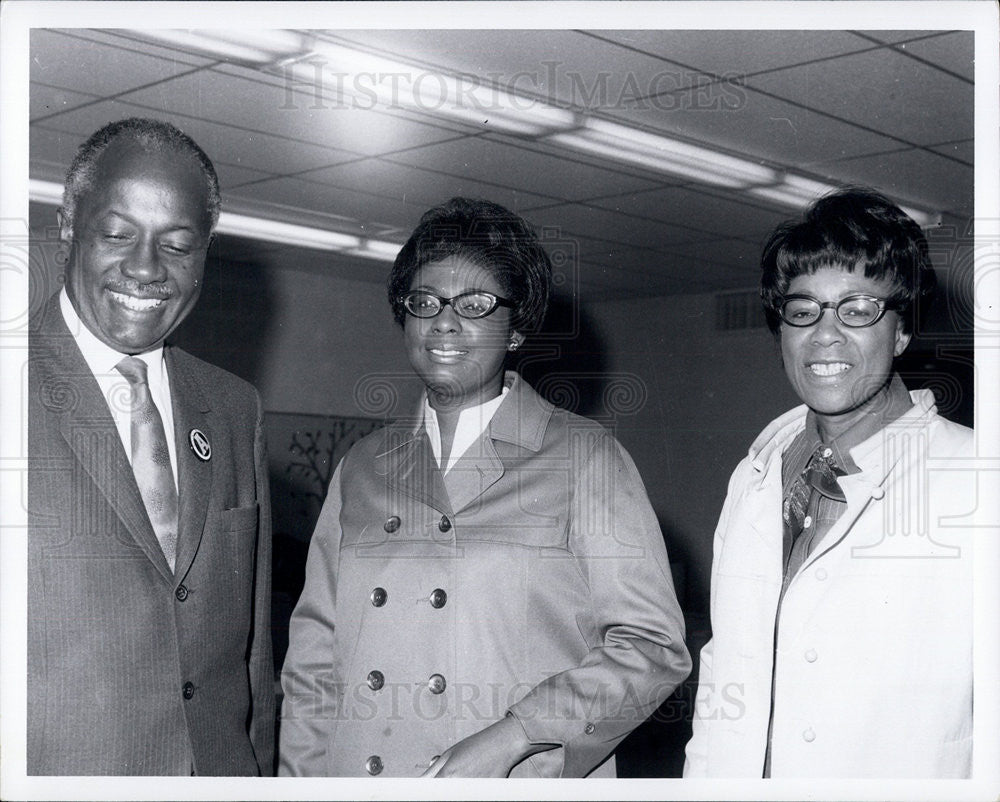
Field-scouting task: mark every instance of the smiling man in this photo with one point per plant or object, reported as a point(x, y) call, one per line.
point(841, 578)
point(149, 559)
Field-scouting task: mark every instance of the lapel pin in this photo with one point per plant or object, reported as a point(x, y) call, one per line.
point(199, 445)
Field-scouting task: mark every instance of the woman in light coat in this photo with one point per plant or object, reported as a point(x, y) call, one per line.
point(487, 589)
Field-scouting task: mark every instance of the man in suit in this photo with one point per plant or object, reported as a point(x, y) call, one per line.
point(149, 551)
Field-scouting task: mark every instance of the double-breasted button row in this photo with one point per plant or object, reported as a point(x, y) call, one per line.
point(379, 596)
point(393, 523)
point(375, 680)
point(187, 690)
point(374, 765)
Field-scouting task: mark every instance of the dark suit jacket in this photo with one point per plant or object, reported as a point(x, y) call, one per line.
point(131, 669)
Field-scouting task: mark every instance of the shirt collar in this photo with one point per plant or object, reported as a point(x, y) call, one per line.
point(472, 422)
point(100, 357)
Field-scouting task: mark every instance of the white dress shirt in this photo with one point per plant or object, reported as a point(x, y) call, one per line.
point(101, 359)
point(472, 422)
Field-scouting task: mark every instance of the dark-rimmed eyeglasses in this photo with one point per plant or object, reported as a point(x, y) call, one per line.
point(470, 305)
point(854, 311)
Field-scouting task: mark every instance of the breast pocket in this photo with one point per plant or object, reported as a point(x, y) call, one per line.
point(238, 519)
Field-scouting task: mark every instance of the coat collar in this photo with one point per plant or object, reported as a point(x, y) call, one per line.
point(405, 457)
point(869, 455)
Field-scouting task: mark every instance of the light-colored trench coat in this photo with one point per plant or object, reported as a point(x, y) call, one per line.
point(531, 578)
point(873, 649)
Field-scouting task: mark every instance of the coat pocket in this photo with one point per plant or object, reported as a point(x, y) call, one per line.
point(238, 518)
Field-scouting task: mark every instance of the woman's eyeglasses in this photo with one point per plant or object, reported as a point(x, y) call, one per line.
point(854, 311)
point(470, 305)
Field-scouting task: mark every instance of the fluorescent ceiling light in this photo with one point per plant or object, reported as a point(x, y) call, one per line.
point(262, 229)
point(667, 154)
point(794, 191)
point(245, 45)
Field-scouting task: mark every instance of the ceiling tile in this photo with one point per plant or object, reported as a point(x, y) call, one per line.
point(882, 90)
point(490, 161)
point(762, 127)
point(567, 66)
point(223, 98)
point(963, 151)
point(63, 59)
point(707, 211)
point(221, 142)
point(419, 186)
point(953, 51)
point(736, 53)
point(916, 177)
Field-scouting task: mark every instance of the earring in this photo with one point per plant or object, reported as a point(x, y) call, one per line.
point(512, 345)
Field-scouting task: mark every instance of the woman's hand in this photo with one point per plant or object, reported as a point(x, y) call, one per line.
point(492, 752)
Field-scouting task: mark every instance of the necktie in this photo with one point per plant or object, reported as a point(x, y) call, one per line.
point(820, 475)
point(151, 459)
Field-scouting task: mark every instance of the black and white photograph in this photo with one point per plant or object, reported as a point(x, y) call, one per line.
point(503, 393)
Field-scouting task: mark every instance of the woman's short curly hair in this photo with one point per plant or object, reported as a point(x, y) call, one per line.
point(151, 134)
point(488, 235)
point(854, 228)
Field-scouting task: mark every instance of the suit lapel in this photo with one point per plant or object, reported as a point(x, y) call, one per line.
point(194, 475)
point(86, 424)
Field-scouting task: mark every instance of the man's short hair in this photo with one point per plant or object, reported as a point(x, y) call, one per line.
point(151, 134)
point(488, 235)
point(855, 228)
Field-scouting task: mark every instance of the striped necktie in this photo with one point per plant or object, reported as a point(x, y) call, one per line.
point(151, 459)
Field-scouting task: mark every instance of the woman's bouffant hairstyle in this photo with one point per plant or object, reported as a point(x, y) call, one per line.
point(151, 134)
point(855, 228)
point(490, 236)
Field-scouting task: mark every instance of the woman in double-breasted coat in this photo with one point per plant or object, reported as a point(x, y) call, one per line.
point(487, 589)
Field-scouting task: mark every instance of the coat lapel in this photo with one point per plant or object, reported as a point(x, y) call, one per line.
point(520, 421)
point(407, 462)
point(474, 473)
point(194, 475)
point(86, 424)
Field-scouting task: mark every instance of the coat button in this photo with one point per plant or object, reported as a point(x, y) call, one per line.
point(379, 597)
point(373, 765)
point(878, 492)
point(809, 736)
point(438, 598)
point(589, 729)
point(811, 656)
point(445, 524)
point(392, 524)
point(821, 574)
point(188, 690)
point(376, 679)
point(437, 683)
point(181, 593)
